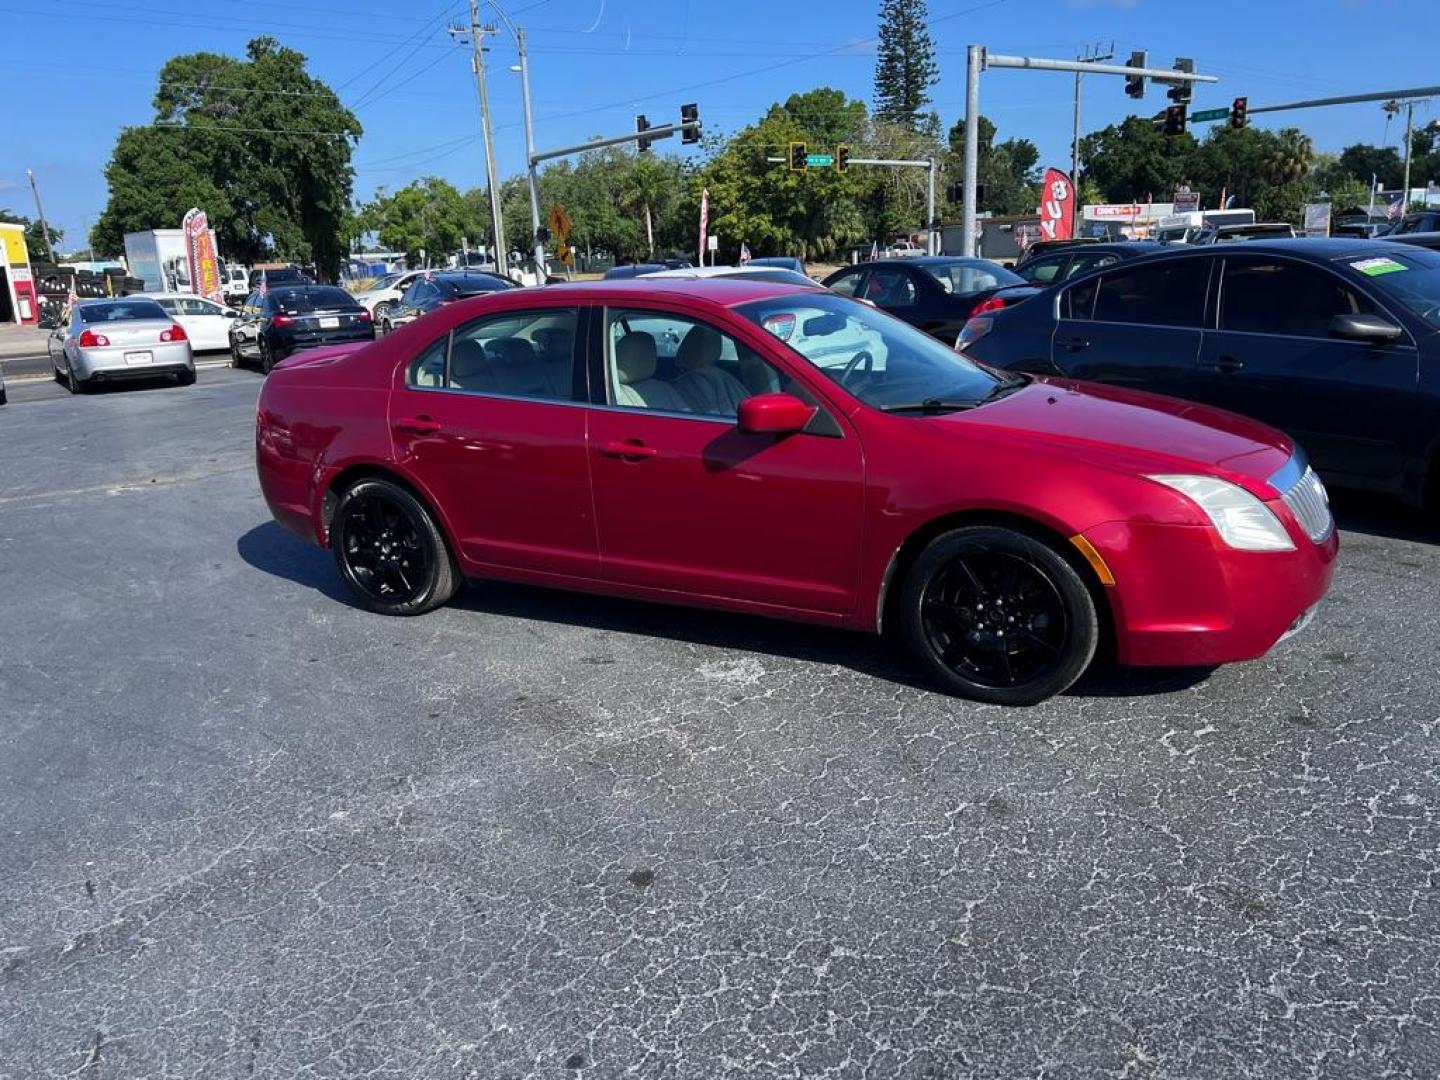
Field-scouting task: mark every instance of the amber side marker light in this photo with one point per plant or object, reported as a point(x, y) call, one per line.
point(1092, 556)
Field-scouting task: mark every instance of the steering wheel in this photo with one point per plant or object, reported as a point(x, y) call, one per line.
point(863, 356)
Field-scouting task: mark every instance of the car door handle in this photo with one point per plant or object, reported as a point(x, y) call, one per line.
point(418, 425)
point(1075, 344)
point(1225, 364)
point(630, 449)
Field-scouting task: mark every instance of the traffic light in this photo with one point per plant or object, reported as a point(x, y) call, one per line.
point(797, 157)
point(1135, 84)
point(1238, 108)
point(842, 158)
point(1175, 120)
point(690, 114)
point(642, 125)
point(1181, 93)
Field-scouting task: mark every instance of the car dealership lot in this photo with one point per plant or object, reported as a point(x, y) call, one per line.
point(249, 828)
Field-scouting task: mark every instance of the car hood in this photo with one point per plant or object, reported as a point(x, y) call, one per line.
point(1133, 431)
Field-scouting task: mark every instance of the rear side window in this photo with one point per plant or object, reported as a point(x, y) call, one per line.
point(1170, 294)
point(525, 354)
point(846, 285)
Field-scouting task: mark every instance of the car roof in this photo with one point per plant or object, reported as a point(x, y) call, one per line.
point(723, 292)
point(1323, 249)
point(162, 296)
point(698, 272)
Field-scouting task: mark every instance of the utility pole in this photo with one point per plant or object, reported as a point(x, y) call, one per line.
point(477, 65)
point(1409, 127)
point(518, 34)
point(980, 59)
point(1092, 56)
point(50, 250)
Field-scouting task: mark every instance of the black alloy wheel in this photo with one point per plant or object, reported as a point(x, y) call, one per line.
point(390, 551)
point(267, 358)
point(999, 616)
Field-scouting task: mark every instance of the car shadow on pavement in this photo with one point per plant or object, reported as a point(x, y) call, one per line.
point(270, 548)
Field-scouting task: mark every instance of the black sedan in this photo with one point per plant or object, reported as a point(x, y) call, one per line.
point(1335, 341)
point(935, 293)
point(427, 293)
point(1062, 262)
point(280, 321)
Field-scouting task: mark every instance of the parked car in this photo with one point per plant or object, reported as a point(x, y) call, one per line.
point(284, 320)
point(1335, 341)
point(905, 249)
point(1429, 240)
point(206, 323)
point(633, 270)
point(1065, 261)
point(1005, 524)
point(235, 284)
point(1420, 221)
point(1048, 247)
point(272, 276)
point(936, 293)
point(780, 275)
point(435, 290)
point(103, 341)
point(384, 295)
point(784, 262)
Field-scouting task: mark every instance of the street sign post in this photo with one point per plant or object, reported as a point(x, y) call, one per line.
point(1209, 114)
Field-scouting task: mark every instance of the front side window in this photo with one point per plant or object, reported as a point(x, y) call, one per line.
point(525, 354)
point(1262, 296)
point(192, 306)
point(1410, 277)
point(676, 364)
point(1158, 294)
point(882, 361)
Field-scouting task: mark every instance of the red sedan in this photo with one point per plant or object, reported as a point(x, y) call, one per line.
point(789, 452)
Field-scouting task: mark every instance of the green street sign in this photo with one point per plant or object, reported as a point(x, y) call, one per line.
point(821, 161)
point(1210, 114)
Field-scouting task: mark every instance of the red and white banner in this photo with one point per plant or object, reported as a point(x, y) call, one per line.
point(200, 254)
point(1057, 206)
point(704, 221)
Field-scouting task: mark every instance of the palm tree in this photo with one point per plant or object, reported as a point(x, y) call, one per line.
point(647, 187)
point(1291, 158)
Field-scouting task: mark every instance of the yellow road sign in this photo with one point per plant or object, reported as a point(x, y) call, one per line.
point(560, 224)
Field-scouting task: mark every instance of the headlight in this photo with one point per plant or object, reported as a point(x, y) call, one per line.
point(1242, 520)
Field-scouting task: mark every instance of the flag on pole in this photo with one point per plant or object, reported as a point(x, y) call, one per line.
point(1394, 204)
point(874, 250)
point(264, 289)
point(704, 221)
point(744, 253)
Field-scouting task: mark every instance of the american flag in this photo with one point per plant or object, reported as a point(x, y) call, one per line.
point(874, 250)
point(744, 253)
point(1394, 204)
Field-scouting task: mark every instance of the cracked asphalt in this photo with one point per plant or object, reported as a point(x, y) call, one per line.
point(249, 830)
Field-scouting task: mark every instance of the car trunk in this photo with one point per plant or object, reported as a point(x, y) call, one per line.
point(130, 333)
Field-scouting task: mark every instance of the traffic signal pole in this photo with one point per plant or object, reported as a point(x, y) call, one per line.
point(980, 59)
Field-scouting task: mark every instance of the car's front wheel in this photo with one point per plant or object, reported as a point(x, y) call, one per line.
point(999, 616)
point(390, 550)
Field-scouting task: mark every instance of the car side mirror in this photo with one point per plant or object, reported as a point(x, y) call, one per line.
point(1374, 329)
point(773, 414)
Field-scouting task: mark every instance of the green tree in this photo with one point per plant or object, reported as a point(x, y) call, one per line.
point(1134, 160)
point(1008, 171)
point(427, 215)
point(648, 188)
point(905, 66)
point(259, 144)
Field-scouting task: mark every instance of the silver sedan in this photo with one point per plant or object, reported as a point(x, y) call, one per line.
point(103, 341)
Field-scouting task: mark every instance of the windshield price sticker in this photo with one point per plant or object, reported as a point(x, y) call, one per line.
point(1377, 266)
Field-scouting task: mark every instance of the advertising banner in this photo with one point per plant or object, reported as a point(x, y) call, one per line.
point(203, 260)
point(1057, 206)
point(704, 222)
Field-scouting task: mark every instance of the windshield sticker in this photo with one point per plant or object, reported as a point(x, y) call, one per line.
point(1376, 267)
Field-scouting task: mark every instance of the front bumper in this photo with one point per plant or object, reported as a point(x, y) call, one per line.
point(110, 362)
point(1183, 597)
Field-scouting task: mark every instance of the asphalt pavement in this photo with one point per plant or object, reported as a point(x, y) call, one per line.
point(251, 830)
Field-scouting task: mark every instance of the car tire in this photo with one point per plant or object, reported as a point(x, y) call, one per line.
point(381, 312)
point(74, 385)
point(999, 616)
point(267, 358)
point(390, 550)
point(185, 378)
point(236, 360)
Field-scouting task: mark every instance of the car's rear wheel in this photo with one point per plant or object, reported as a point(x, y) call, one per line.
point(267, 357)
point(390, 550)
point(999, 616)
point(185, 378)
point(74, 385)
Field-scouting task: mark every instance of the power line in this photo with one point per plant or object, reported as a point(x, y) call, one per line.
point(445, 11)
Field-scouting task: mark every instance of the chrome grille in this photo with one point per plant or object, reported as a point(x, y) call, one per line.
point(1307, 500)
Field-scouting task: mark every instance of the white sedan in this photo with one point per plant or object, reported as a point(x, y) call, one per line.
point(205, 322)
point(383, 297)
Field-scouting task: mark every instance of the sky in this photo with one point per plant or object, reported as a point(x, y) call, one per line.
point(84, 69)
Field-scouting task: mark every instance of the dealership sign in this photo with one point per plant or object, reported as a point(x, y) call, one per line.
point(201, 256)
point(1057, 206)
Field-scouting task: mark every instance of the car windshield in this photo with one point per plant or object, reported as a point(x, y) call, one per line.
point(385, 282)
point(121, 311)
point(471, 284)
point(296, 301)
point(884, 362)
point(1409, 276)
point(971, 275)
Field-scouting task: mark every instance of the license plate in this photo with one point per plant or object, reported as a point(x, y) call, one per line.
point(329, 322)
point(139, 357)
